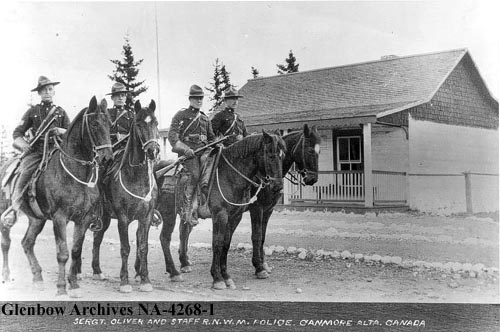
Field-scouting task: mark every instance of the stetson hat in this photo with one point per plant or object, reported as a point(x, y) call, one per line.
point(196, 91)
point(231, 92)
point(43, 81)
point(117, 88)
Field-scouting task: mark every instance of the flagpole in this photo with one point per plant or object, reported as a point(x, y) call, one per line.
point(158, 68)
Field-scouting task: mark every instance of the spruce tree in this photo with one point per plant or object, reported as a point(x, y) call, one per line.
point(290, 66)
point(220, 82)
point(255, 72)
point(126, 72)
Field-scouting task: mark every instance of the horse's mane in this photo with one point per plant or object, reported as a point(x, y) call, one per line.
point(249, 145)
point(78, 119)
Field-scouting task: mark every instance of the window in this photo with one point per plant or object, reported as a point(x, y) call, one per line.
point(349, 153)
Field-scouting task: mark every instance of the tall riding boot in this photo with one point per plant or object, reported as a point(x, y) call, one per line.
point(187, 205)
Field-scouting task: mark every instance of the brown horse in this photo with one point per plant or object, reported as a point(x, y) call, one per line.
point(302, 149)
point(131, 194)
point(66, 190)
point(255, 158)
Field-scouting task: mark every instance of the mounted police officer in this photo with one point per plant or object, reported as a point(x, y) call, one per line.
point(190, 130)
point(227, 122)
point(121, 115)
point(37, 120)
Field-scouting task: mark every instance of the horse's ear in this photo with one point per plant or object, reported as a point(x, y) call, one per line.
point(267, 138)
point(104, 105)
point(92, 104)
point(277, 132)
point(137, 106)
point(152, 105)
point(306, 130)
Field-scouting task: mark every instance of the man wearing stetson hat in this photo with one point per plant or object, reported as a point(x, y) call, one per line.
point(121, 115)
point(190, 130)
point(227, 122)
point(36, 119)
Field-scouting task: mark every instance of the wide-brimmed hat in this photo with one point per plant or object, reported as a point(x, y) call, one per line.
point(117, 88)
point(196, 91)
point(231, 93)
point(43, 81)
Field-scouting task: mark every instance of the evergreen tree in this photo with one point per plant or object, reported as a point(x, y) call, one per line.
point(126, 72)
point(220, 82)
point(290, 66)
point(255, 72)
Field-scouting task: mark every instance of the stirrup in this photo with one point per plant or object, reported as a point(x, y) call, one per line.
point(189, 221)
point(6, 220)
point(156, 219)
point(96, 225)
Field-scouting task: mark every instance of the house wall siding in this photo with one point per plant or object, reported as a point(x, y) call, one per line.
point(461, 100)
point(438, 156)
point(389, 149)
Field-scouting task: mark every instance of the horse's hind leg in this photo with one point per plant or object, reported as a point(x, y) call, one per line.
point(141, 264)
point(168, 215)
point(76, 258)
point(5, 252)
point(184, 231)
point(96, 247)
point(124, 252)
point(28, 243)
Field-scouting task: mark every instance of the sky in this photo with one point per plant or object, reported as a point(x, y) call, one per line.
point(73, 42)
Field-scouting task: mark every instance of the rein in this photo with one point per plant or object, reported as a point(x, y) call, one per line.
point(95, 166)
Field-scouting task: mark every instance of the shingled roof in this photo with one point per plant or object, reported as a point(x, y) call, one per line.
point(369, 89)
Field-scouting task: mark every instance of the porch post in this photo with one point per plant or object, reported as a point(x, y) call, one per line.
point(368, 171)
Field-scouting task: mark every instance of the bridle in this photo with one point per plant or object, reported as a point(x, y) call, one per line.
point(304, 171)
point(94, 177)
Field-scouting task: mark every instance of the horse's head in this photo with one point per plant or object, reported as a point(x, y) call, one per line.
point(147, 129)
point(96, 125)
point(270, 162)
point(305, 154)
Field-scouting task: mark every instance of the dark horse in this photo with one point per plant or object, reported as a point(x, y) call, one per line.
point(130, 193)
point(303, 150)
point(255, 158)
point(66, 190)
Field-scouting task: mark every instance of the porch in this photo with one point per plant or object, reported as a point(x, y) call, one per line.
point(341, 189)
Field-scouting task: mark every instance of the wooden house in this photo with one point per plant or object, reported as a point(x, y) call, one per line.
point(416, 131)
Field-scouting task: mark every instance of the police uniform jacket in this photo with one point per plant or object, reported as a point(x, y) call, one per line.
point(33, 118)
point(121, 122)
point(193, 130)
point(224, 124)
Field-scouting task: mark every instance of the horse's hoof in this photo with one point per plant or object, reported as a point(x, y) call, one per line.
point(38, 285)
point(75, 293)
point(177, 278)
point(61, 291)
point(187, 269)
point(219, 285)
point(79, 276)
point(125, 289)
point(266, 267)
point(99, 276)
point(262, 274)
point(146, 288)
point(230, 284)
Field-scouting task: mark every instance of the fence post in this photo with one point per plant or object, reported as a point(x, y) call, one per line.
point(286, 191)
point(368, 171)
point(468, 192)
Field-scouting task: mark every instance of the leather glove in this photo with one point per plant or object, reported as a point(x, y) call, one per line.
point(189, 153)
point(21, 144)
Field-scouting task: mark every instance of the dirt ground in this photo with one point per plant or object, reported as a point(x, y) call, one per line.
point(411, 237)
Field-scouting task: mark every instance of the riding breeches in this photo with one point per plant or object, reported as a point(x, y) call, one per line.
point(28, 165)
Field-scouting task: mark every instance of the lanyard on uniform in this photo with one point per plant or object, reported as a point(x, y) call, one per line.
point(232, 124)
point(189, 125)
point(119, 116)
point(49, 115)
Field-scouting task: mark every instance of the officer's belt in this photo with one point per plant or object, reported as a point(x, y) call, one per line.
point(195, 138)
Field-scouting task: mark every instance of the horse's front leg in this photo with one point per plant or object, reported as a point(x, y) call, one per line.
point(59, 225)
point(256, 216)
point(28, 243)
point(76, 257)
point(5, 226)
point(125, 286)
point(233, 222)
point(219, 221)
point(265, 220)
point(141, 264)
point(96, 247)
point(184, 232)
point(167, 210)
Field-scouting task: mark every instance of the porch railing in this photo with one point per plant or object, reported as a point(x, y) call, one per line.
point(348, 186)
